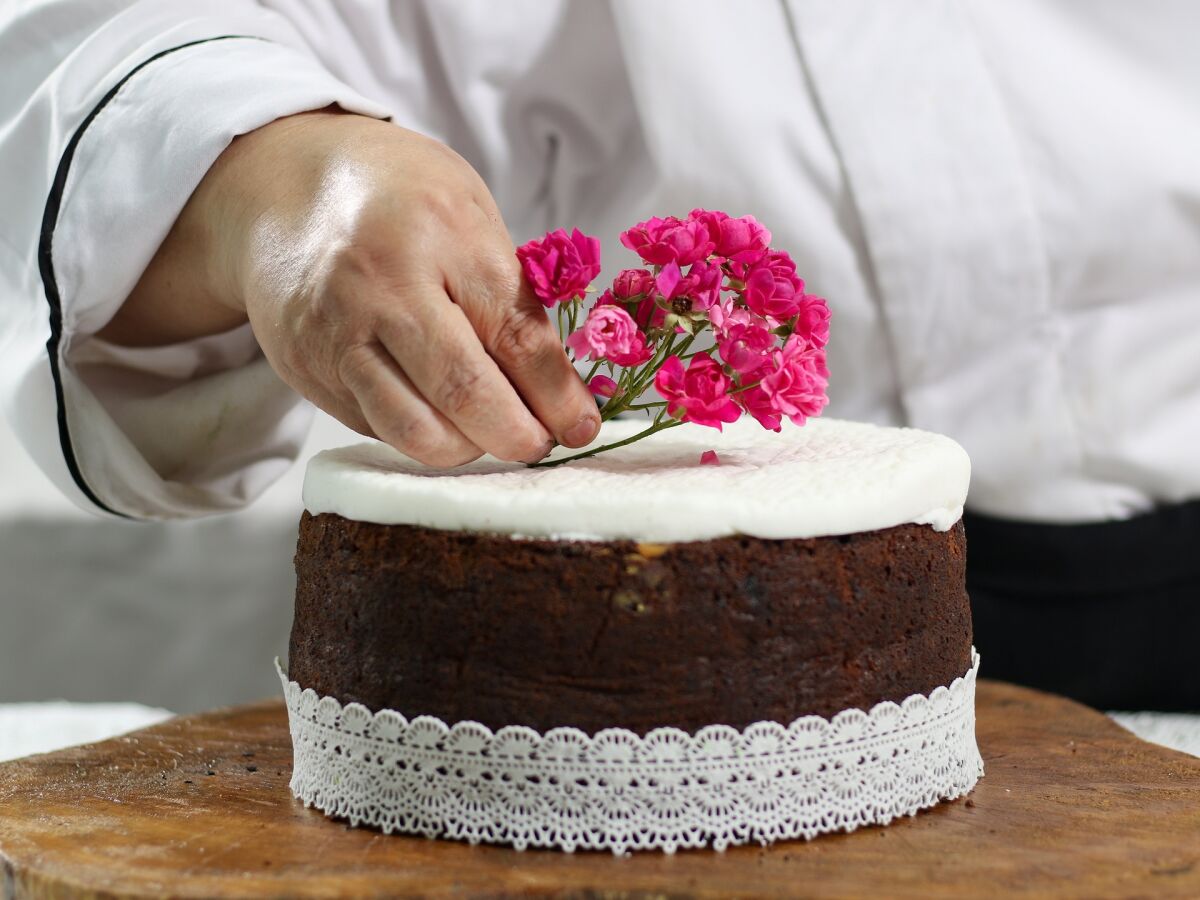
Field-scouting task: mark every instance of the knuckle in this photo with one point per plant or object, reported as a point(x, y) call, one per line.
point(328, 306)
point(354, 262)
point(414, 437)
point(354, 366)
point(522, 340)
point(444, 206)
point(459, 394)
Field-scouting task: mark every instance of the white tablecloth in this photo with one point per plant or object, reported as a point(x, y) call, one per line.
point(183, 615)
point(27, 728)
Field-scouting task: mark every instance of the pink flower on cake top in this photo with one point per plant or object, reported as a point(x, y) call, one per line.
point(717, 321)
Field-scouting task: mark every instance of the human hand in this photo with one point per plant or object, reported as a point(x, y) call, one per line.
point(381, 283)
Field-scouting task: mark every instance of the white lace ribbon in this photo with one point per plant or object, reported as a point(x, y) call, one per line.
point(618, 791)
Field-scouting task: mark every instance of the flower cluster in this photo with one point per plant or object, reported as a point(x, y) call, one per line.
point(716, 320)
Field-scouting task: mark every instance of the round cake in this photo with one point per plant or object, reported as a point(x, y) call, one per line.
point(811, 579)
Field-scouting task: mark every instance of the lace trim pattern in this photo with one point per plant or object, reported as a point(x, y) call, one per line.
point(619, 791)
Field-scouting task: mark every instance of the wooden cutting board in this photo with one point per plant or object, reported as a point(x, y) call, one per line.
point(1071, 805)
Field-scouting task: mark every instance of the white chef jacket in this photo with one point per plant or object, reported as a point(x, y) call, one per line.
point(1000, 200)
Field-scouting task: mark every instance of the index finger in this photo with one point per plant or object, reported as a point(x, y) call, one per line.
point(439, 351)
point(514, 328)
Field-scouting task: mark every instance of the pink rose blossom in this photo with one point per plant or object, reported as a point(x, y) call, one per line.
point(710, 458)
point(649, 314)
point(636, 285)
point(726, 313)
point(791, 384)
point(660, 241)
point(797, 384)
point(633, 284)
point(560, 266)
point(772, 287)
point(743, 240)
point(609, 332)
point(812, 321)
point(603, 386)
point(702, 284)
point(757, 401)
point(700, 395)
point(746, 347)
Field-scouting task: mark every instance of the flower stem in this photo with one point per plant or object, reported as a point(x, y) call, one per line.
point(746, 387)
point(658, 425)
point(653, 405)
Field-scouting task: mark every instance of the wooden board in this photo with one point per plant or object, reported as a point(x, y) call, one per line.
point(1071, 805)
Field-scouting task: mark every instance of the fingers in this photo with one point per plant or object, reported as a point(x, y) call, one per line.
point(439, 351)
point(516, 332)
point(393, 410)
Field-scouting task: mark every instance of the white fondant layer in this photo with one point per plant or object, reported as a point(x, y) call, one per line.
point(827, 478)
point(620, 791)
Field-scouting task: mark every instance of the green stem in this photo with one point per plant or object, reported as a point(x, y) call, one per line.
point(653, 405)
point(642, 378)
point(657, 426)
point(745, 387)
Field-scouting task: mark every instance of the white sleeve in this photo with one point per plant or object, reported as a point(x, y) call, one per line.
point(110, 115)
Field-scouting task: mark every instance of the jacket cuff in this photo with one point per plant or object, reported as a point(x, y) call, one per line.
point(125, 176)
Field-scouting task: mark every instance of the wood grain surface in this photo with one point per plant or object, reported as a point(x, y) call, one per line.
point(1071, 805)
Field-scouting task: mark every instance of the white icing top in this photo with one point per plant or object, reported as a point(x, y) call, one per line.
point(828, 477)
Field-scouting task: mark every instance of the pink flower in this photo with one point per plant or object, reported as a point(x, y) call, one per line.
point(603, 386)
point(743, 240)
point(702, 284)
point(757, 401)
point(710, 458)
point(797, 386)
point(792, 384)
point(700, 395)
point(560, 266)
point(746, 347)
point(812, 321)
point(647, 313)
point(772, 287)
point(726, 313)
point(637, 285)
point(660, 241)
point(632, 284)
point(609, 332)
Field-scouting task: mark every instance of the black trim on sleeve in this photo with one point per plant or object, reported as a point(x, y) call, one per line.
point(46, 263)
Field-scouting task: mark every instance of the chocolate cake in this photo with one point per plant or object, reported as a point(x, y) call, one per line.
point(813, 571)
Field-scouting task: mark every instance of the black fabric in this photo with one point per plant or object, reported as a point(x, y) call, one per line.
point(1106, 613)
point(46, 264)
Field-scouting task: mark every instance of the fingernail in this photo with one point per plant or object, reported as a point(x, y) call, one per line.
point(582, 432)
